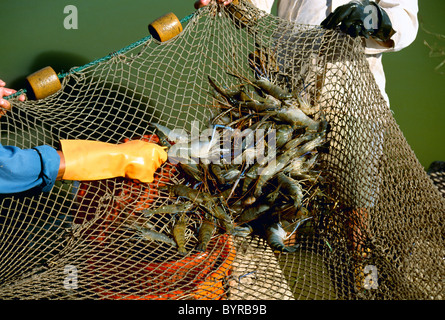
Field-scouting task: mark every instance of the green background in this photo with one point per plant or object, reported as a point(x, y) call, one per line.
point(33, 36)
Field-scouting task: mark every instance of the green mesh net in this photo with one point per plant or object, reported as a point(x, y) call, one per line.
point(374, 225)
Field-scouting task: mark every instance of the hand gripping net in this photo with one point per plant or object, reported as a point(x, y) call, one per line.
point(380, 235)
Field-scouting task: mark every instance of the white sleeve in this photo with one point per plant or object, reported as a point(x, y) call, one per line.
point(265, 5)
point(403, 16)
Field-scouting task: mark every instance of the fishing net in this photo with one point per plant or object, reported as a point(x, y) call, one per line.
point(375, 224)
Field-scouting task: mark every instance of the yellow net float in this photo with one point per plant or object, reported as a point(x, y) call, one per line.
point(165, 28)
point(44, 83)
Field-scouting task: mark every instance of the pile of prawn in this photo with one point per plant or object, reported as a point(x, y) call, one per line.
point(241, 194)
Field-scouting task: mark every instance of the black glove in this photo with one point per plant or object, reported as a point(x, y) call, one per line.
point(355, 19)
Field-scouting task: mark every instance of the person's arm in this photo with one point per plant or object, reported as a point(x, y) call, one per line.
point(387, 25)
point(96, 160)
point(61, 170)
point(25, 169)
point(40, 167)
point(403, 17)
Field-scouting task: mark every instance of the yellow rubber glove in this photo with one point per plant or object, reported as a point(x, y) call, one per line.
point(94, 160)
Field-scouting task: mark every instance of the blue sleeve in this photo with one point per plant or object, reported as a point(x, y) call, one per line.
point(25, 169)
